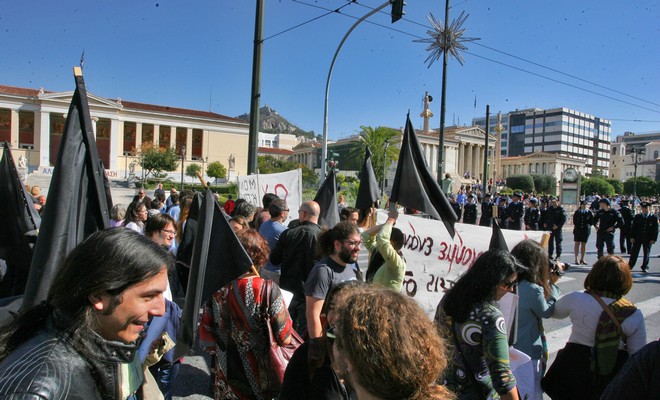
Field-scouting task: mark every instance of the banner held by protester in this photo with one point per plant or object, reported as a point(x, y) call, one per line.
point(286, 185)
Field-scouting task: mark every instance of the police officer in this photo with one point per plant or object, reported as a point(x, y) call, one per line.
point(515, 213)
point(543, 213)
point(644, 233)
point(470, 211)
point(583, 219)
point(624, 235)
point(555, 220)
point(501, 212)
point(532, 216)
point(606, 221)
point(454, 204)
point(486, 218)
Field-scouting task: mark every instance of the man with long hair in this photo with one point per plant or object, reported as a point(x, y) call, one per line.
point(81, 343)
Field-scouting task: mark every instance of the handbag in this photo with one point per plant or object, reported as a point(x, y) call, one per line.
point(279, 355)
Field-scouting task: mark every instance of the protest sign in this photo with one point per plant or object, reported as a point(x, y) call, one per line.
point(435, 260)
point(286, 185)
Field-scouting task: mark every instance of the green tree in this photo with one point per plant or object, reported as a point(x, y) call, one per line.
point(520, 182)
point(155, 160)
point(271, 165)
point(645, 186)
point(216, 170)
point(543, 183)
point(193, 169)
point(597, 185)
point(616, 184)
point(376, 139)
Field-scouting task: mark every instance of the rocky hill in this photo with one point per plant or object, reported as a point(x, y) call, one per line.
point(272, 122)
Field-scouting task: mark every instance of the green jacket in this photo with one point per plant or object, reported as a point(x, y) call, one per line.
point(391, 274)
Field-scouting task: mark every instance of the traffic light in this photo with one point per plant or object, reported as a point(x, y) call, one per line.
point(397, 10)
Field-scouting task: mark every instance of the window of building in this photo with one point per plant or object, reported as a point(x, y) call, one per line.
point(181, 139)
point(197, 139)
point(129, 138)
point(544, 169)
point(655, 154)
point(164, 135)
point(147, 134)
point(26, 129)
point(5, 125)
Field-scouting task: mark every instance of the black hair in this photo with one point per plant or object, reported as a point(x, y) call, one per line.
point(479, 284)
point(158, 222)
point(132, 213)
point(345, 213)
point(377, 260)
point(108, 261)
point(341, 231)
point(268, 198)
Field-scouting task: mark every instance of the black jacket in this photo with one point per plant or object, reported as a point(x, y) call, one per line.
point(607, 219)
point(627, 215)
point(296, 252)
point(50, 366)
point(532, 216)
point(470, 213)
point(644, 229)
point(555, 216)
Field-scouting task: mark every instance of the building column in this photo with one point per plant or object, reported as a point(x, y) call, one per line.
point(13, 129)
point(42, 138)
point(189, 144)
point(470, 164)
point(460, 159)
point(115, 136)
point(173, 137)
point(138, 135)
point(156, 136)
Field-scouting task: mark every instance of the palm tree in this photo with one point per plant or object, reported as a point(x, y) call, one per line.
point(378, 139)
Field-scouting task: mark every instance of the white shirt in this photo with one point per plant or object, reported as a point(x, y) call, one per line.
point(585, 311)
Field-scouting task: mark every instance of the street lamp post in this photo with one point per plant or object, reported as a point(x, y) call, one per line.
point(183, 157)
point(635, 155)
point(382, 190)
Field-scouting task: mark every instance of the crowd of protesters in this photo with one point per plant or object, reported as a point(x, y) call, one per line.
point(352, 333)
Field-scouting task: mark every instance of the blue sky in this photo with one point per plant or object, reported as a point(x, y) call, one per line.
point(198, 54)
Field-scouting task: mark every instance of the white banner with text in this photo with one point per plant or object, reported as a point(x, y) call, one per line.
point(286, 185)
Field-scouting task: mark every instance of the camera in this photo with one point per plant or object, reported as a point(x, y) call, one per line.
point(556, 268)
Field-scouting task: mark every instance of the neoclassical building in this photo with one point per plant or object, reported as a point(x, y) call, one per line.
point(32, 121)
point(622, 163)
point(542, 163)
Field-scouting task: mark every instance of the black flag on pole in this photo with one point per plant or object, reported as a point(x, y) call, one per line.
point(218, 258)
point(77, 205)
point(368, 191)
point(497, 241)
point(326, 197)
point(21, 222)
point(414, 185)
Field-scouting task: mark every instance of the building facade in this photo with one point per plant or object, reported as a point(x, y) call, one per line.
point(32, 121)
point(623, 160)
point(542, 163)
point(559, 130)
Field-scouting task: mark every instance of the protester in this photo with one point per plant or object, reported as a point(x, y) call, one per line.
point(537, 291)
point(339, 246)
point(175, 209)
point(238, 223)
point(263, 215)
point(136, 216)
point(639, 378)
point(385, 347)
point(349, 214)
point(296, 252)
point(644, 234)
point(233, 328)
point(583, 220)
point(186, 240)
point(271, 231)
point(141, 197)
point(245, 209)
point(309, 378)
point(625, 232)
point(168, 202)
point(470, 320)
point(366, 219)
point(386, 264)
point(104, 293)
point(594, 354)
point(229, 205)
point(117, 214)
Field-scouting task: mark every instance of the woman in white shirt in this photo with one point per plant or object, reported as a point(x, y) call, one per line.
point(597, 346)
point(136, 216)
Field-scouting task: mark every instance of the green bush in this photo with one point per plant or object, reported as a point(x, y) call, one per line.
point(523, 183)
point(506, 191)
point(645, 186)
point(616, 184)
point(597, 185)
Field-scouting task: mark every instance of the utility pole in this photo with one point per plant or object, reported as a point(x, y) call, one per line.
point(253, 140)
point(443, 98)
point(484, 179)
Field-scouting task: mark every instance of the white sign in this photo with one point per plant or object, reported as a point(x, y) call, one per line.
point(286, 185)
point(435, 261)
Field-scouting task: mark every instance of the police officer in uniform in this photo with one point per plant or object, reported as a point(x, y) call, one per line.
point(543, 213)
point(486, 218)
point(501, 212)
point(606, 221)
point(583, 219)
point(532, 216)
point(644, 233)
point(515, 213)
point(555, 220)
point(624, 235)
point(470, 211)
point(454, 204)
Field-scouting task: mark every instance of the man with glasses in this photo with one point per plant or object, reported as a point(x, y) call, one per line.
point(271, 231)
point(340, 246)
point(161, 229)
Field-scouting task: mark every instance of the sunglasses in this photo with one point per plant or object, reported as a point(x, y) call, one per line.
point(509, 284)
point(331, 335)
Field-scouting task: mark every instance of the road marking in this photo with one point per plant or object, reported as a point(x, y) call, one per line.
point(557, 339)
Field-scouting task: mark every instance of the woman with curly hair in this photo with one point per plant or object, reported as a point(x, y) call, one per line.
point(233, 328)
point(599, 344)
point(538, 293)
point(469, 319)
point(385, 347)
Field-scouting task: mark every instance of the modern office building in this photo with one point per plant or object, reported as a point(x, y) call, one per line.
point(559, 130)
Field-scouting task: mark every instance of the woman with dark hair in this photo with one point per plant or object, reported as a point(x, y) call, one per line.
point(606, 329)
point(385, 347)
point(537, 295)
point(470, 320)
point(136, 216)
point(365, 220)
point(76, 343)
point(386, 265)
point(233, 328)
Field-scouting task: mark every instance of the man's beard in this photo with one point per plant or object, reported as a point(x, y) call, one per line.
point(346, 256)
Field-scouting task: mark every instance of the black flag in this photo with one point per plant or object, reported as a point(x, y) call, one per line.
point(218, 258)
point(497, 241)
point(19, 233)
point(415, 187)
point(326, 197)
point(77, 205)
point(368, 191)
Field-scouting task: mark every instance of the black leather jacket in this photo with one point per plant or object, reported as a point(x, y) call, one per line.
point(50, 366)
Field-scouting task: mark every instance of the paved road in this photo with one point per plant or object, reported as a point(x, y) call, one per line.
point(194, 377)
